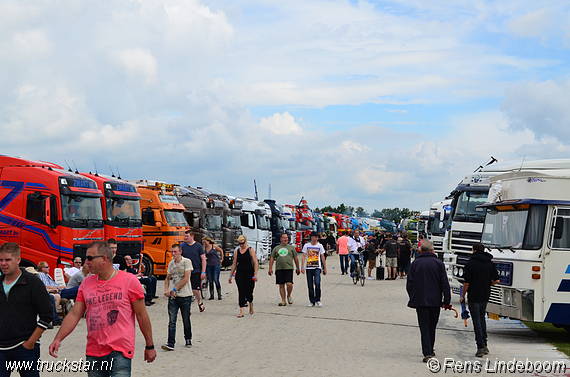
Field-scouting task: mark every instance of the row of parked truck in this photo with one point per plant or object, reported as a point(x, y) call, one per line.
point(55, 213)
point(521, 213)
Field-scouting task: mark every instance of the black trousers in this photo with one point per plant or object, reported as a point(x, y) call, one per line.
point(245, 285)
point(427, 319)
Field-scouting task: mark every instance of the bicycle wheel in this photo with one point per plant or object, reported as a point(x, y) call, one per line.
point(204, 287)
point(362, 277)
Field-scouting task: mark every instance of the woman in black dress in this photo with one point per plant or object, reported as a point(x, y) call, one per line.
point(245, 267)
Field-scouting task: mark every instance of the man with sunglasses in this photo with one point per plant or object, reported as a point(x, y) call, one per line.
point(111, 299)
point(77, 263)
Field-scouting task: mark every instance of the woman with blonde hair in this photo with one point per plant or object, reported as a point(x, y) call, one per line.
point(245, 267)
point(214, 259)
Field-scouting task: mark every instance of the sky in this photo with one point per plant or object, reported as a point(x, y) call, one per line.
point(378, 104)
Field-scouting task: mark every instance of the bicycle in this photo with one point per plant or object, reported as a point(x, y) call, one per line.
point(358, 273)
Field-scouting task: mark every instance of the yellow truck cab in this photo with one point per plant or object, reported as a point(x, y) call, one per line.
point(163, 224)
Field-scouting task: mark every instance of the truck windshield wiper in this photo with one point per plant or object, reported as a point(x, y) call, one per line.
point(495, 245)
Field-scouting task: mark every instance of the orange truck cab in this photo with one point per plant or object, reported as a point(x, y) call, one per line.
point(163, 224)
point(121, 214)
point(53, 214)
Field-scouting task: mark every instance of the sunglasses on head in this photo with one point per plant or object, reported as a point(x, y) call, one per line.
point(91, 257)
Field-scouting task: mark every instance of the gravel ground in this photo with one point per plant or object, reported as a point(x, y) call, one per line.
point(366, 330)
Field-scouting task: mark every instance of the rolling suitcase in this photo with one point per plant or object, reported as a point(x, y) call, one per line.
point(380, 273)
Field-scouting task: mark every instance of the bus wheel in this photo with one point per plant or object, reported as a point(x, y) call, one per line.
point(146, 267)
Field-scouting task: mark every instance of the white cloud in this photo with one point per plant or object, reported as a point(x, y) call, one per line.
point(533, 24)
point(31, 43)
point(281, 124)
point(540, 107)
point(399, 111)
point(138, 64)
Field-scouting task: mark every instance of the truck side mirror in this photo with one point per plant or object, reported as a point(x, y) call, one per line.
point(558, 228)
point(157, 218)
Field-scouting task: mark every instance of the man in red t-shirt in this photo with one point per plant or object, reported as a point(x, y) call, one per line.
point(112, 299)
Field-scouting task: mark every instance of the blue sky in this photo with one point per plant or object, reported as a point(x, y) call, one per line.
point(369, 103)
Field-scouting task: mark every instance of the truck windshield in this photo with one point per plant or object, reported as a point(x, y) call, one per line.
point(213, 222)
point(124, 211)
point(466, 210)
point(435, 223)
point(175, 218)
point(234, 221)
point(262, 222)
point(412, 225)
point(81, 211)
point(514, 229)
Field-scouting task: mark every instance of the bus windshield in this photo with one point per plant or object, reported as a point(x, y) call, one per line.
point(127, 212)
point(466, 209)
point(82, 211)
point(514, 229)
point(175, 218)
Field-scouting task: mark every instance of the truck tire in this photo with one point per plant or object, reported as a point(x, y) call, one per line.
point(146, 267)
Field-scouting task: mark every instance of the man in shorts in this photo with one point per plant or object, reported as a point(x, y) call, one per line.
point(195, 252)
point(391, 250)
point(285, 255)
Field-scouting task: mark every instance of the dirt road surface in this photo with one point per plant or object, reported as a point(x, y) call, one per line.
point(366, 331)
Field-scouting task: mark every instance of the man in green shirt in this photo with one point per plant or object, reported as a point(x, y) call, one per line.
point(285, 255)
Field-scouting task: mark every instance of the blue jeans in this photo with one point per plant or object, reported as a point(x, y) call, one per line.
point(182, 303)
point(314, 284)
point(23, 355)
point(343, 263)
point(428, 316)
point(69, 293)
point(353, 261)
point(114, 364)
point(478, 310)
point(150, 284)
point(55, 316)
point(213, 273)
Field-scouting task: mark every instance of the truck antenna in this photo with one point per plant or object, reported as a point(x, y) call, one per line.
point(522, 162)
point(255, 187)
point(69, 167)
point(119, 173)
point(96, 174)
point(301, 201)
point(76, 171)
point(112, 173)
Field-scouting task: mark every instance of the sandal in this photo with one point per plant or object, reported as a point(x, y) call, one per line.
point(290, 300)
point(283, 303)
point(201, 306)
point(251, 308)
point(240, 315)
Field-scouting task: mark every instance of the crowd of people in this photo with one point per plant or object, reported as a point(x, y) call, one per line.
point(109, 291)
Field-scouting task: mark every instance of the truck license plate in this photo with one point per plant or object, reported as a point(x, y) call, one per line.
point(494, 316)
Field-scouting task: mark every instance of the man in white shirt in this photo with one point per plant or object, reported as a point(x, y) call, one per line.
point(354, 243)
point(73, 270)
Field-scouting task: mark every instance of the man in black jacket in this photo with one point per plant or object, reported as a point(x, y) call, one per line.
point(23, 297)
point(480, 275)
point(428, 289)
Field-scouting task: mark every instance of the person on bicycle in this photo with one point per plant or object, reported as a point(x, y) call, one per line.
point(356, 245)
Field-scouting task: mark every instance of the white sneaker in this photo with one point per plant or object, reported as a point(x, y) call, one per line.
point(319, 304)
point(311, 304)
point(370, 278)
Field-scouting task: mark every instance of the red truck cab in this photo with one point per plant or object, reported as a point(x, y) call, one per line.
point(53, 214)
point(121, 214)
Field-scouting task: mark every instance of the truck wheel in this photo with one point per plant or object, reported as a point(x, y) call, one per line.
point(146, 267)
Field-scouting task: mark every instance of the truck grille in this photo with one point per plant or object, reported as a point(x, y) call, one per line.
point(496, 296)
point(463, 241)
